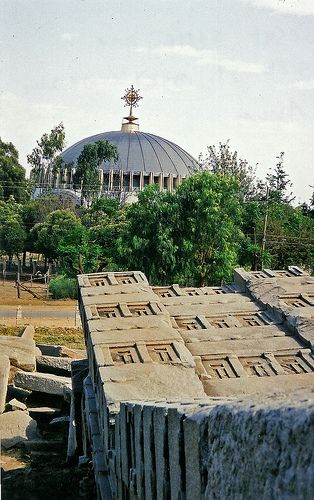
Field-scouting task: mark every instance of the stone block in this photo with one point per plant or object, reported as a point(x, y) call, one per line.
point(15, 405)
point(4, 378)
point(53, 364)
point(42, 382)
point(195, 430)
point(161, 452)
point(138, 450)
point(20, 351)
point(28, 333)
point(15, 427)
point(61, 351)
point(149, 453)
point(150, 381)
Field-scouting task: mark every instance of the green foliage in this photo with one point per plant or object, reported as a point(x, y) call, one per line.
point(77, 253)
point(190, 236)
point(148, 240)
point(223, 161)
point(12, 232)
point(290, 237)
point(209, 227)
point(12, 174)
point(37, 211)
point(48, 235)
point(87, 171)
point(47, 152)
point(279, 182)
point(62, 287)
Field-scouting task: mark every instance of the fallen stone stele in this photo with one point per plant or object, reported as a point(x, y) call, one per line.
point(42, 382)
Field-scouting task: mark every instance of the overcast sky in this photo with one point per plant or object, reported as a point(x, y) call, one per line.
point(208, 71)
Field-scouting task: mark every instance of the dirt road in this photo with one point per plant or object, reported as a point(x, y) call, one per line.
point(39, 312)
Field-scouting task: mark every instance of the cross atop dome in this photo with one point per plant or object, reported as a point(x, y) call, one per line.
point(131, 98)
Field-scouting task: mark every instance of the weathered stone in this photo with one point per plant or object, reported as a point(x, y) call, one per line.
point(44, 410)
point(4, 378)
point(17, 405)
point(42, 382)
point(53, 364)
point(61, 351)
point(60, 420)
point(21, 352)
point(28, 333)
point(15, 427)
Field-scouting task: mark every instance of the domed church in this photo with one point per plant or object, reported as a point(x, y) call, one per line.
point(144, 159)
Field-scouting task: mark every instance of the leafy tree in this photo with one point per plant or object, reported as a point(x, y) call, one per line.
point(148, 240)
point(12, 174)
point(88, 163)
point(223, 161)
point(209, 227)
point(36, 211)
point(48, 235)
point(290, 237)
point(102, 209)
point(47, 152)
point(77, 253)
point(12, 232)
point(279, 182)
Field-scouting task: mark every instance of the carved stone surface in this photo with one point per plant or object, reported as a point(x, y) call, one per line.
point(160, 348)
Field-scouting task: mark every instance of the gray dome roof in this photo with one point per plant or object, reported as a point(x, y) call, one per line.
point(139, 152)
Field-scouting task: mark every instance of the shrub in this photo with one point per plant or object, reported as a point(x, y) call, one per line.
point(61, 287)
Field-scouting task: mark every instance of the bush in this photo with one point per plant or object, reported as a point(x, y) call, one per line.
point(61, 287)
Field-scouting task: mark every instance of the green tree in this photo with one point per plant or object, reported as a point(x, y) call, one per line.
point(47, 153)
point(290, 237)
point(87, 170)
point(148, 240)
point(12, 232)
point(48, 235)
point(77, 253)
point(223, 161)
point(209, 227)
point(36, 211)
point(12, 174)
point(279, 183)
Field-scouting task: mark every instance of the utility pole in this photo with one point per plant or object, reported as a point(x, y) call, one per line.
point(264, 230)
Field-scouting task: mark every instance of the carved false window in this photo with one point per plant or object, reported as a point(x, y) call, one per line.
point(192, 323)
point(125, 280)
point(294, 364)
point(218, 368)
point(124, 355)
point(219, 323)
point(162, 353)
point(257, 367)
point(110, 311)
point(252, 320)
point(140, 310)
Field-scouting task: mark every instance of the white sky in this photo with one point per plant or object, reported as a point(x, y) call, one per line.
point(209, 70)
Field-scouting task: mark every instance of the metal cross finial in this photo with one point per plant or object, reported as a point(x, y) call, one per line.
point(131, 98)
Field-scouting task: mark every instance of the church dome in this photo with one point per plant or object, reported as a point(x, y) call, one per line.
point(143, 159)
point(139, 152)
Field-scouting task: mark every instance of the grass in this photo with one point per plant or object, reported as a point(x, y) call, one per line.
point(69, 337)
